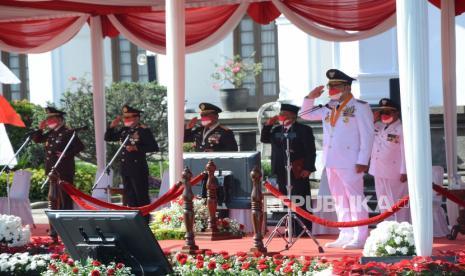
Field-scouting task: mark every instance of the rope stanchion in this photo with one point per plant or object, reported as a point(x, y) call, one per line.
point(401, 203)
point(449, 195)
point(78, 197)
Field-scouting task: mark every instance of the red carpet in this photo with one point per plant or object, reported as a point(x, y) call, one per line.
point(304, 246)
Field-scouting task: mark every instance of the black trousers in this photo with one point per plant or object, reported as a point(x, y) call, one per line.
point(300, 189)
point(58, 199)
point(136, 191)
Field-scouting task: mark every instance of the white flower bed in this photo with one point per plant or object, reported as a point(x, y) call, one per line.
point(390, 238)
point(23, 263)
point(12, 232)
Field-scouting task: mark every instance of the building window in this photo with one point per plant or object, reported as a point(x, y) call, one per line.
point(249, 38)
point(124, 62)
point(18, 65)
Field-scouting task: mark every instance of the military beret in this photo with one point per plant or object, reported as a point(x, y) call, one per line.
point(290, 108)
point(53, 112)
point(208, 108)
point(387, 104)
point(129, 110)
point(335, 75)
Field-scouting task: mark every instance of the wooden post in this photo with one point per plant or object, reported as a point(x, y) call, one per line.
point(212, 201)
point(257, 211)
point(188, 197)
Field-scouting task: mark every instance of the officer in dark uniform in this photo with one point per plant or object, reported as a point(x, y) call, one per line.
point(56, 139)
point(302, 154)
point(134, 168)
point(211, 136)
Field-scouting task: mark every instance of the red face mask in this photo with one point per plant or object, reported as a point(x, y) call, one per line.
point(128, 122)
point(387, 119)
point(334, 91)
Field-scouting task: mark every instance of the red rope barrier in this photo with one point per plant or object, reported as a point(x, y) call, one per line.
point(172, 194)
point(449, 195)
point(401, 203)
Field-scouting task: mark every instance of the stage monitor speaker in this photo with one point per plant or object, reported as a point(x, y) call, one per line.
point(110, 236)
point(238, 187)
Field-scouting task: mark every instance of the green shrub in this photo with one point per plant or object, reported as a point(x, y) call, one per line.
point(84, 179)
point(266, 168)
point(154, 168)
point(168, 234)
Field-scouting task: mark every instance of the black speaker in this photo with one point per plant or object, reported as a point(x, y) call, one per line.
point(394, 91)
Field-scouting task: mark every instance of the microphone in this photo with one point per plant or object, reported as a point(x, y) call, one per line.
point(76, 129)
point(31, 132)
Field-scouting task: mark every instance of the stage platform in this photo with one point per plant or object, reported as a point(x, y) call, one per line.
point(303, 247)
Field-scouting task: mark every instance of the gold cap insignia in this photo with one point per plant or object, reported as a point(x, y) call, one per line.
point(331, 74)
point(202, 107)
point(125, 109)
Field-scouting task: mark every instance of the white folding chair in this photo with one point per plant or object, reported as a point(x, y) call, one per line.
point(17, 202)
point(440, 227)
point(164, 187)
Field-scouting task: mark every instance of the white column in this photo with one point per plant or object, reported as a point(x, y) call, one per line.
point(449, 86)
point(98, 89)
point(413, 70)
point(175, 51)
point(448, 53)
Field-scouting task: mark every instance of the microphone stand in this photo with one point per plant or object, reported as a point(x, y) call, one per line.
point(107, 168)
point(59, 159)
point(310, 110)
point(287, 219)
point(8, 170)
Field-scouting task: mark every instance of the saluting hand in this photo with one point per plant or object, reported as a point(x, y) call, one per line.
point(115, 122)
point(271, 121)
point(192, 123)
point(43, 124)
point(315, 93)
point(361, 168)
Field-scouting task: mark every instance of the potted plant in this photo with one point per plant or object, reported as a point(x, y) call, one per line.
point(234, 72)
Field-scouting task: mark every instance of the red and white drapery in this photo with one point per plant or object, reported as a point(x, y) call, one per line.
point(29, 26)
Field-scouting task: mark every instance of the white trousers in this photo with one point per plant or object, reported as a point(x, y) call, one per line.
point(346, 187)
point(388, 192)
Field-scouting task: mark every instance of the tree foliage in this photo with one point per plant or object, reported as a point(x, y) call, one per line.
point(148, 97)
point(31, 114)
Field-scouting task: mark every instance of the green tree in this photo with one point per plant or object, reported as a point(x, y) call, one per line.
point(148, 97)
point(31, 114)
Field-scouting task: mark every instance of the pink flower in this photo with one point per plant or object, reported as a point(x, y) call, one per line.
point(216, 86)
point(221, 69)
point(72, 78)
point(229, 62)
point(236, 69)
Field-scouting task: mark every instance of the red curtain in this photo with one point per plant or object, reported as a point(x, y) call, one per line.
point(349, 15)
point(200, 23)
point(459, 5)
point(33, 33)
point(263, 12)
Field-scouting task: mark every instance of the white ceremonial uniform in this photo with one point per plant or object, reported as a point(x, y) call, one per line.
point(386, 165)
point(346, 144)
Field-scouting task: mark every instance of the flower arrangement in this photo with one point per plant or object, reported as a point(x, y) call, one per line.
point(38, 245)
point(23, 263)
point(12, 233)
point(168, 223)
point(64, 265)
point(235, 71)
point(242, 264)
point(390, 238)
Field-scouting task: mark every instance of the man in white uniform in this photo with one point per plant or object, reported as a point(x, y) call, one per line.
point(387, 163)
point(348, 134)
